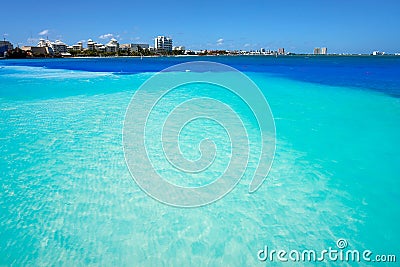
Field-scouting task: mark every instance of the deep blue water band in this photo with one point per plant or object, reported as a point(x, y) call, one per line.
point(377, 73)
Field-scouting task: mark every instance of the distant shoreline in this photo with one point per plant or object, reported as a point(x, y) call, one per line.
point(192, 56)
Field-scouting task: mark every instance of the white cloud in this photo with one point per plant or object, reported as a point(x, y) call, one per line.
point(44, 32)
point(247, 45)
point(220, 41)
point(106, 36)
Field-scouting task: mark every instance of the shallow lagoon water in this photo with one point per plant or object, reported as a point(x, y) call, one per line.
point(67, 197)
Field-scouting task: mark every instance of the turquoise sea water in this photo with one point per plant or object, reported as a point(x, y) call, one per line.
point(67, 197)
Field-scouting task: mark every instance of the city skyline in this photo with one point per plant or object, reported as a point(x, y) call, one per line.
point(162, 45)
point(356, 27)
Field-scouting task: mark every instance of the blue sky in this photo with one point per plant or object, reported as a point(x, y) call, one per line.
point(353, 26)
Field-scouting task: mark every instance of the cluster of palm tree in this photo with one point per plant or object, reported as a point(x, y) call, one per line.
point(216, 52)
point(16, 53)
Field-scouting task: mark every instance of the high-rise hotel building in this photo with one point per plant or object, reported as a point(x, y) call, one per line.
point(320, 51)
point(163, 44)
point(317, 51)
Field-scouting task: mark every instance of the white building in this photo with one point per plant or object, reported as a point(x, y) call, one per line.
point(78, 46)
point(59, 47)
point(56, 47)
point(320, 51)
point(112, 46)
point(125, 47)
point(378, 53)
point(99, 47)
point(133, 47)
point(44, 43)
point(91, 45)
point(163, 44)
point(179, 48)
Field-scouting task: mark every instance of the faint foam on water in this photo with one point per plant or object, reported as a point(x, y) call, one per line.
point(23, 72)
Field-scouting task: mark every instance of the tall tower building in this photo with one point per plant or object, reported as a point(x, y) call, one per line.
point(324, 51)
point(163, 44)
point(317, 51)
